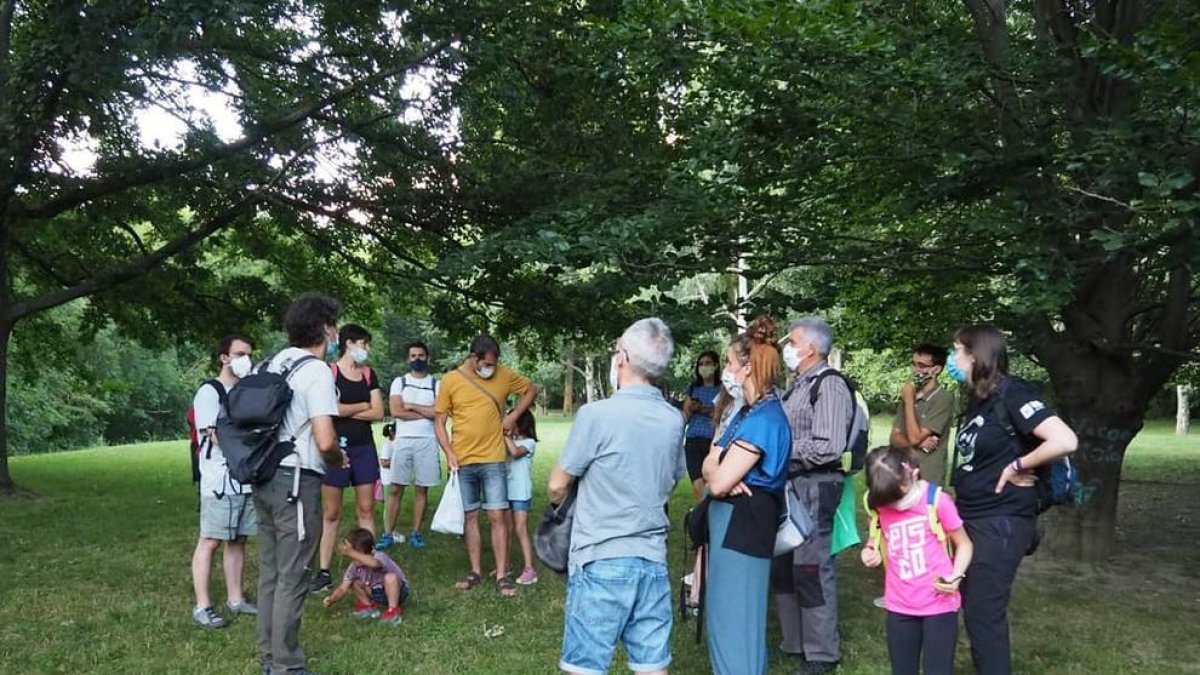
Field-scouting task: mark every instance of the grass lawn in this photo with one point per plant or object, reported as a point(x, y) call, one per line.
point(94, 578)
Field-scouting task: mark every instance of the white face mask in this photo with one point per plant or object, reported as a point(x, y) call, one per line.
point(486, 372)
point(791, 357)
point(911, 497)
point(241, 366)
point(731, 386)
point(359, 355)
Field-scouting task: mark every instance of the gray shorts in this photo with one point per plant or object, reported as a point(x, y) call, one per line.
point(227, 518)
point(416, 461)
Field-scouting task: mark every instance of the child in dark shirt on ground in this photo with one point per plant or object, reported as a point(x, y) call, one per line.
point(374, 578)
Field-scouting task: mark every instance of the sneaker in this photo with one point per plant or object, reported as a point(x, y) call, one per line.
point(416, 540)
point(393, 616)
point(208, 618)
point(817, 668)
point(370, 611)
point(243, 607)
point(528, 577)
point(385, 542)
point(879, 602)
point(321, 583)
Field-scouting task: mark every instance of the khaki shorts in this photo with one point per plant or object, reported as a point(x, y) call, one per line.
point(227, 518)
point(416, 461)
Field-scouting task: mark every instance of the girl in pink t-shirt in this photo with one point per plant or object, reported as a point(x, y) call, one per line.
point(915, 519)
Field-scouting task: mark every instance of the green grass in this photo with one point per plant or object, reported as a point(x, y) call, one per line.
point(94, 578)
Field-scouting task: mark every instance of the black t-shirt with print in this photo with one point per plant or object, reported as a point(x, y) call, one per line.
point(356, 432)
point(985, 449)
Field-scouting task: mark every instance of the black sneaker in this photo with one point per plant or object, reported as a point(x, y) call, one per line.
point(321, 583)
point(817, 668)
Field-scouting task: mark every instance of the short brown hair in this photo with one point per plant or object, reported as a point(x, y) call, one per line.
point(361, 540)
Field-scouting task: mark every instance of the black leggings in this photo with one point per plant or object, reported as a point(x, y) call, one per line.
point(912, 640)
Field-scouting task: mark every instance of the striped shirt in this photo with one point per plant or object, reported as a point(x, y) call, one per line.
point(818, 433)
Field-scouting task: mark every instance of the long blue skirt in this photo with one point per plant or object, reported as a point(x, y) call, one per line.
point(735, 612)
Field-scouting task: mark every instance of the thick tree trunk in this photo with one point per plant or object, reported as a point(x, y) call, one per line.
point(7, 486)
point(568, 405)
point(1086, 530)
point(1183, 411)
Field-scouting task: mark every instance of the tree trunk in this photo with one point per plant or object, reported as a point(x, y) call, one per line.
point(1183, 411)
point(589, 378)
point(1086, 531)
point(568, 404)
point(7, 486)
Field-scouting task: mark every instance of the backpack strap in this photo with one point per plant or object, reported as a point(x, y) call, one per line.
point(874, 534)
point(203, 442)
point(931, 496)
point(333, 368)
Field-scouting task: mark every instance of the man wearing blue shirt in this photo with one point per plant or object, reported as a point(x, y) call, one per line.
point(626, 453)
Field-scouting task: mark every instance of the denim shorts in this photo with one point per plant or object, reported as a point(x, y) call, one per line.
point(486, 483)
point(522, 505)
point(625, 599)
point(363, 470)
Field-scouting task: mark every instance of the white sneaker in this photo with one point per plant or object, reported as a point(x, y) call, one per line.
point(398, 538)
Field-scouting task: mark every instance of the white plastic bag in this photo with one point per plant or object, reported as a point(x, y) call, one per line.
point(449, 517)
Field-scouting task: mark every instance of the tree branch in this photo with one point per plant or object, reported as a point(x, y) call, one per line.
point(170, 167)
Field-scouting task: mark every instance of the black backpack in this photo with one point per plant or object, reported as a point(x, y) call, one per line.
point(248, 432)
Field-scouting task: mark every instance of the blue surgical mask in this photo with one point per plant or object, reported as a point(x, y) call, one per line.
point(952, 369)
point(418, 365)
point(331, 348)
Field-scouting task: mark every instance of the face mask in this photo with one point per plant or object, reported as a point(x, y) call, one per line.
point(910, 498)
point(921, 379)
point(952, 368)
point(331, 348)
point(486, 372)
point(791, 358)
point(419, 365)
point(731, 385)
point(241, 366)
point(359, 355)
point(612, 374)
point(707, 371)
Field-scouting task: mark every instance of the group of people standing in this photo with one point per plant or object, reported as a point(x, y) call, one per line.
point(336, 398)
point(744, 443)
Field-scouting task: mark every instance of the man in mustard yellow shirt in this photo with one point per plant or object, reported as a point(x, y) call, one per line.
point(473, 396)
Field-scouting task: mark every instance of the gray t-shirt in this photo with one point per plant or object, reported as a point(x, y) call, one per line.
point(627, 454)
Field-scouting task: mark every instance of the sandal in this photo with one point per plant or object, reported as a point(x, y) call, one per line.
point(468, 582)
point(506, 587)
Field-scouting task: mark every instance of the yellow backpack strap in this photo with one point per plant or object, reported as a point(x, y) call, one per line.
point(874, 535)
point(935, 523)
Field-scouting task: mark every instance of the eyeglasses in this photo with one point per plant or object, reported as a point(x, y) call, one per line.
point(923, 366)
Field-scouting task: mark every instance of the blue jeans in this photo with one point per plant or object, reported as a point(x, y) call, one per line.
point(625, 599)
point(486, 483)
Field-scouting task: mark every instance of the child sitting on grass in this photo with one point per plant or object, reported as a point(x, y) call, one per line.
point(374, 577)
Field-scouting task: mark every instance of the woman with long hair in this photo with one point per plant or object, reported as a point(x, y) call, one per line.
point(698, 411)
point(1006, 433)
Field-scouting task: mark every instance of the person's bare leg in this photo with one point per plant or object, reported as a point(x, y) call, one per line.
point(362, 594)
point(698, 489)
point(499, 522)
point(419, 502)
point(521, 525)
point(331, 507)
point(474, 545)
point(364, 506)
point(392, 512)
point(234, 561)
point(202, 568)
point(391, 586)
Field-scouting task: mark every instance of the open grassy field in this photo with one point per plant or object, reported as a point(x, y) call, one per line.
point(94, 578)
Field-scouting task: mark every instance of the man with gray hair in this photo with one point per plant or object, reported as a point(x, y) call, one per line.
point(627, 454)
point(820, 410)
